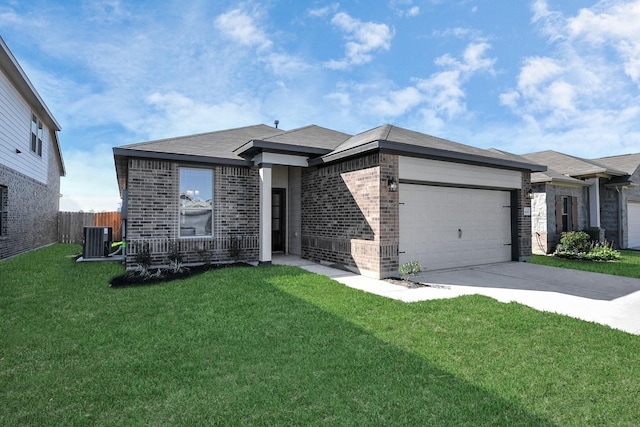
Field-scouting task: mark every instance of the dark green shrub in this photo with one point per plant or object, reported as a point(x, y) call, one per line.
point(578, 245)
point(575, 242)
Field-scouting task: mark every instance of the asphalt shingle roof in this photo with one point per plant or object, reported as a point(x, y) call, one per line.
point(628, 163)
point(569, 165)
point(218, 144)
point(397, 135)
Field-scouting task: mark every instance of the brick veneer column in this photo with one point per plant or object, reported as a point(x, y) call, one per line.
point(524, 222)
point(348, 215)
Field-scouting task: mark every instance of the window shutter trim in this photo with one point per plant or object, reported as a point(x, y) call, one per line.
point(558, 214)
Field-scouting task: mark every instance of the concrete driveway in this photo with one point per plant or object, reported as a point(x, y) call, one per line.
point(600, 298)
point(532, 277)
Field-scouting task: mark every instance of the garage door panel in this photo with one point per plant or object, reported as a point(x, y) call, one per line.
point(444, 227)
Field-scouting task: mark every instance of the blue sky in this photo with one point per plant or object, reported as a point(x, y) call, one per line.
point(521, 76)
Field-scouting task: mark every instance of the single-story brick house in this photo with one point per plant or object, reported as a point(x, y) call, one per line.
point(368, 202)
point(600, 196)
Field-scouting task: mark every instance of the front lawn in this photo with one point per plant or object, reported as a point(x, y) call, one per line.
point(628, 265)
point(281, 346)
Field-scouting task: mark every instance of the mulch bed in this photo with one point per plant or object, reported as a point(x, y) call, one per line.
point(406, 283)
point(414, 285)
point(131, 278)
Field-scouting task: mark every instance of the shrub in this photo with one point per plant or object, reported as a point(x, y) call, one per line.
point(175, 259)
point(143, 262)
point(578, 245)
point(409, 269)
point(602, 252)
point(234, 248)
point(574, 242)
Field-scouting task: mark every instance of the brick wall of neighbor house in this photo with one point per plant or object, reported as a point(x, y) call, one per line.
point(613, 211)
point(348, 215)
point(609, 212)
point(524, 222)
point(153, 192)
point(31, 209)
point(544, 206)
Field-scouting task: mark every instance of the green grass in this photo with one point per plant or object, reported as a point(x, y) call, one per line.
point(281, 346)
point(628, 265)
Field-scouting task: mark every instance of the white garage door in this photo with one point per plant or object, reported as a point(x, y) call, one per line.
point(633, 221)
point(444, 227)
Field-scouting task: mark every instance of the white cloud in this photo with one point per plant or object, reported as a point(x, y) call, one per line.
point(177, 114)
point(404, 8)
point(618, 27)
point(90, 182)
point(444, 92)
point(239, 26)
point(363, 39)
point(582, 76)
point(324, 11)
point(433, 99)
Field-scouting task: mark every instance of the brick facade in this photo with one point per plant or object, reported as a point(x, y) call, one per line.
point(152, 213)
point(524, 221)
point(30, 217)
point(348, 215)
point(613, 211)
point(543, 230)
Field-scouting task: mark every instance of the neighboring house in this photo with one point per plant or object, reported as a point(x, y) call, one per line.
point(30, 163)
point(621, 213)
point(581, 194)
point(368, 202)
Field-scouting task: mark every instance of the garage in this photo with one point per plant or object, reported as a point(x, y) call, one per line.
point(454, 214)
point(633, 222)
point(446, 227)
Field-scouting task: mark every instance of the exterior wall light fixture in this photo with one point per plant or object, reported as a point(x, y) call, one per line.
point(392, 184)
point(529, 194)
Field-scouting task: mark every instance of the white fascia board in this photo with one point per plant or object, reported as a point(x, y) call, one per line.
point(280, 159)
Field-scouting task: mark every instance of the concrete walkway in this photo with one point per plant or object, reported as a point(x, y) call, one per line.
point(600, 298)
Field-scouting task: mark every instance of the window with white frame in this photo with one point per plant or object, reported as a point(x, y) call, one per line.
point(37, 132)
point(196, 202)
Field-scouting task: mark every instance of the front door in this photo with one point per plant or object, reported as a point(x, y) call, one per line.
point(278, 219)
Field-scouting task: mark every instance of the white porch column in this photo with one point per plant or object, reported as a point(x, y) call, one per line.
point(265, 214)
point(594, 202)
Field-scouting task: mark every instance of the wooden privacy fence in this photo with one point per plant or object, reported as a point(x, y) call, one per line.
point(71, 225)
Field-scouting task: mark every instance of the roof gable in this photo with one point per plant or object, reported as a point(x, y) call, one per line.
point(311, 141)
point(9, 64)
point(397, 139)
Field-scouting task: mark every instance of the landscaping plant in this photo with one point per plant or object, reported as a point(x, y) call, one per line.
point(409, 270)
point(578, 245)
